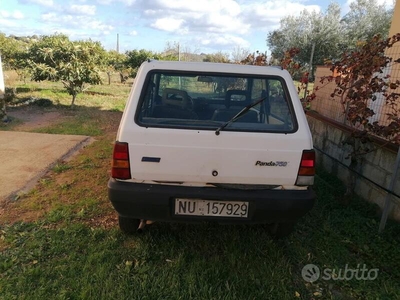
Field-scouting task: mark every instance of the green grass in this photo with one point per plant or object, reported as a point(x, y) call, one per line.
point(84, 122)
point(173, 262)
point(106, 97)
point(61, 240)
point(61, 167)
point(10, 126)
point(63, 257)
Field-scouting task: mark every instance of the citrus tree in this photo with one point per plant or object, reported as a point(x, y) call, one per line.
point(76, 64)
point(115, 62)
point(135, 58)
point(13, 50)
point(8, 48)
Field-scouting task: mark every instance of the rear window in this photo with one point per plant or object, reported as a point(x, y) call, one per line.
point(207, 101)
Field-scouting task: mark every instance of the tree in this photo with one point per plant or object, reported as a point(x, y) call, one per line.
point(75, 64)
point(257, 59)
point(14, 53)
point(171, 51)
point(218, 57)
point(135, 58)
point(310, 27)
point(176, 51)
point(8, 47)
point(330, 33)
point(189, 53)
point(115, 62)
point(365, 19)
point(238, 54)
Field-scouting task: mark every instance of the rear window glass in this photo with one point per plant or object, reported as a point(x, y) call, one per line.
point(207, 101)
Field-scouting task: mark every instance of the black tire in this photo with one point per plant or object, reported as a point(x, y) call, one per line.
point(128, 225)
point(282, 230)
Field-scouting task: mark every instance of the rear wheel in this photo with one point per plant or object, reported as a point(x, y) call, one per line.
point(128, 225)
point(281, 230)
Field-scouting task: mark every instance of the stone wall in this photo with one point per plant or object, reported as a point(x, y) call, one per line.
point(377, 166)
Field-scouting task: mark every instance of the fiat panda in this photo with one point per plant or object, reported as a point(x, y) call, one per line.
point(212, 142)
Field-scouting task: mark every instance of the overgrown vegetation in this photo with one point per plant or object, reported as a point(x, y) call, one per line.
point(331, 32)
point(363, 87)
point(361, 79)
point(61, 241)
point(74, 64)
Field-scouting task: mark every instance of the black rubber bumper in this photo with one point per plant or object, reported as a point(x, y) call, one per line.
point(157, 202)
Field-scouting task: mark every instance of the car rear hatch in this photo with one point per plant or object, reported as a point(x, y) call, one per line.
point(201, 157)
point(173, 138)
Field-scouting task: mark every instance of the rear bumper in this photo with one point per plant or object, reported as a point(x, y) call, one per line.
point(157, 202)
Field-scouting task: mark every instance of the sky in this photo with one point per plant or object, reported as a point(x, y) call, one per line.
point(199, 26)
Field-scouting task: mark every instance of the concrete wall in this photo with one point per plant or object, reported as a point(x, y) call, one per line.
point(377, 166)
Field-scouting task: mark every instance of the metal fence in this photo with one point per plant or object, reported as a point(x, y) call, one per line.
point(324, 104)
point(334, 109)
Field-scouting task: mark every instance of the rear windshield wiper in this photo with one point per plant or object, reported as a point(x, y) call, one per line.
point(239, 114)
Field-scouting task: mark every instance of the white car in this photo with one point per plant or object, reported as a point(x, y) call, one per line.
point(212, 142)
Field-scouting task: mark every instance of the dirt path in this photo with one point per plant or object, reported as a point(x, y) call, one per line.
point(33, 117)
point(32, 154)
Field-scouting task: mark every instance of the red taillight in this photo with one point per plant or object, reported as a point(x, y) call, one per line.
point(307, 164)
point(121, 151)
point(120, 164)
point(306, 172)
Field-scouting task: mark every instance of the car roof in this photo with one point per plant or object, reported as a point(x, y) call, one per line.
point(213, 67)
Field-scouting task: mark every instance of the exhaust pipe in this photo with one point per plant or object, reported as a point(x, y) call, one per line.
point(142, 224)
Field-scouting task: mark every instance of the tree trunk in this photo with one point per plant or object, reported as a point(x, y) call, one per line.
point(3, 111)
point(123, 78)
point(350, 186)
point(73, 101)
point(109, 78)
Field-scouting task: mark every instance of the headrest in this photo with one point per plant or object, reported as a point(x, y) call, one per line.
point(175, 97)
point(236, 98)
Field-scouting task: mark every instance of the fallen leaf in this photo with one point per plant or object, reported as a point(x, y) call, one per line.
point(128, 263)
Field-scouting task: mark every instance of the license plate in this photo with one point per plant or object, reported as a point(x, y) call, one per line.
point(211, 208)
